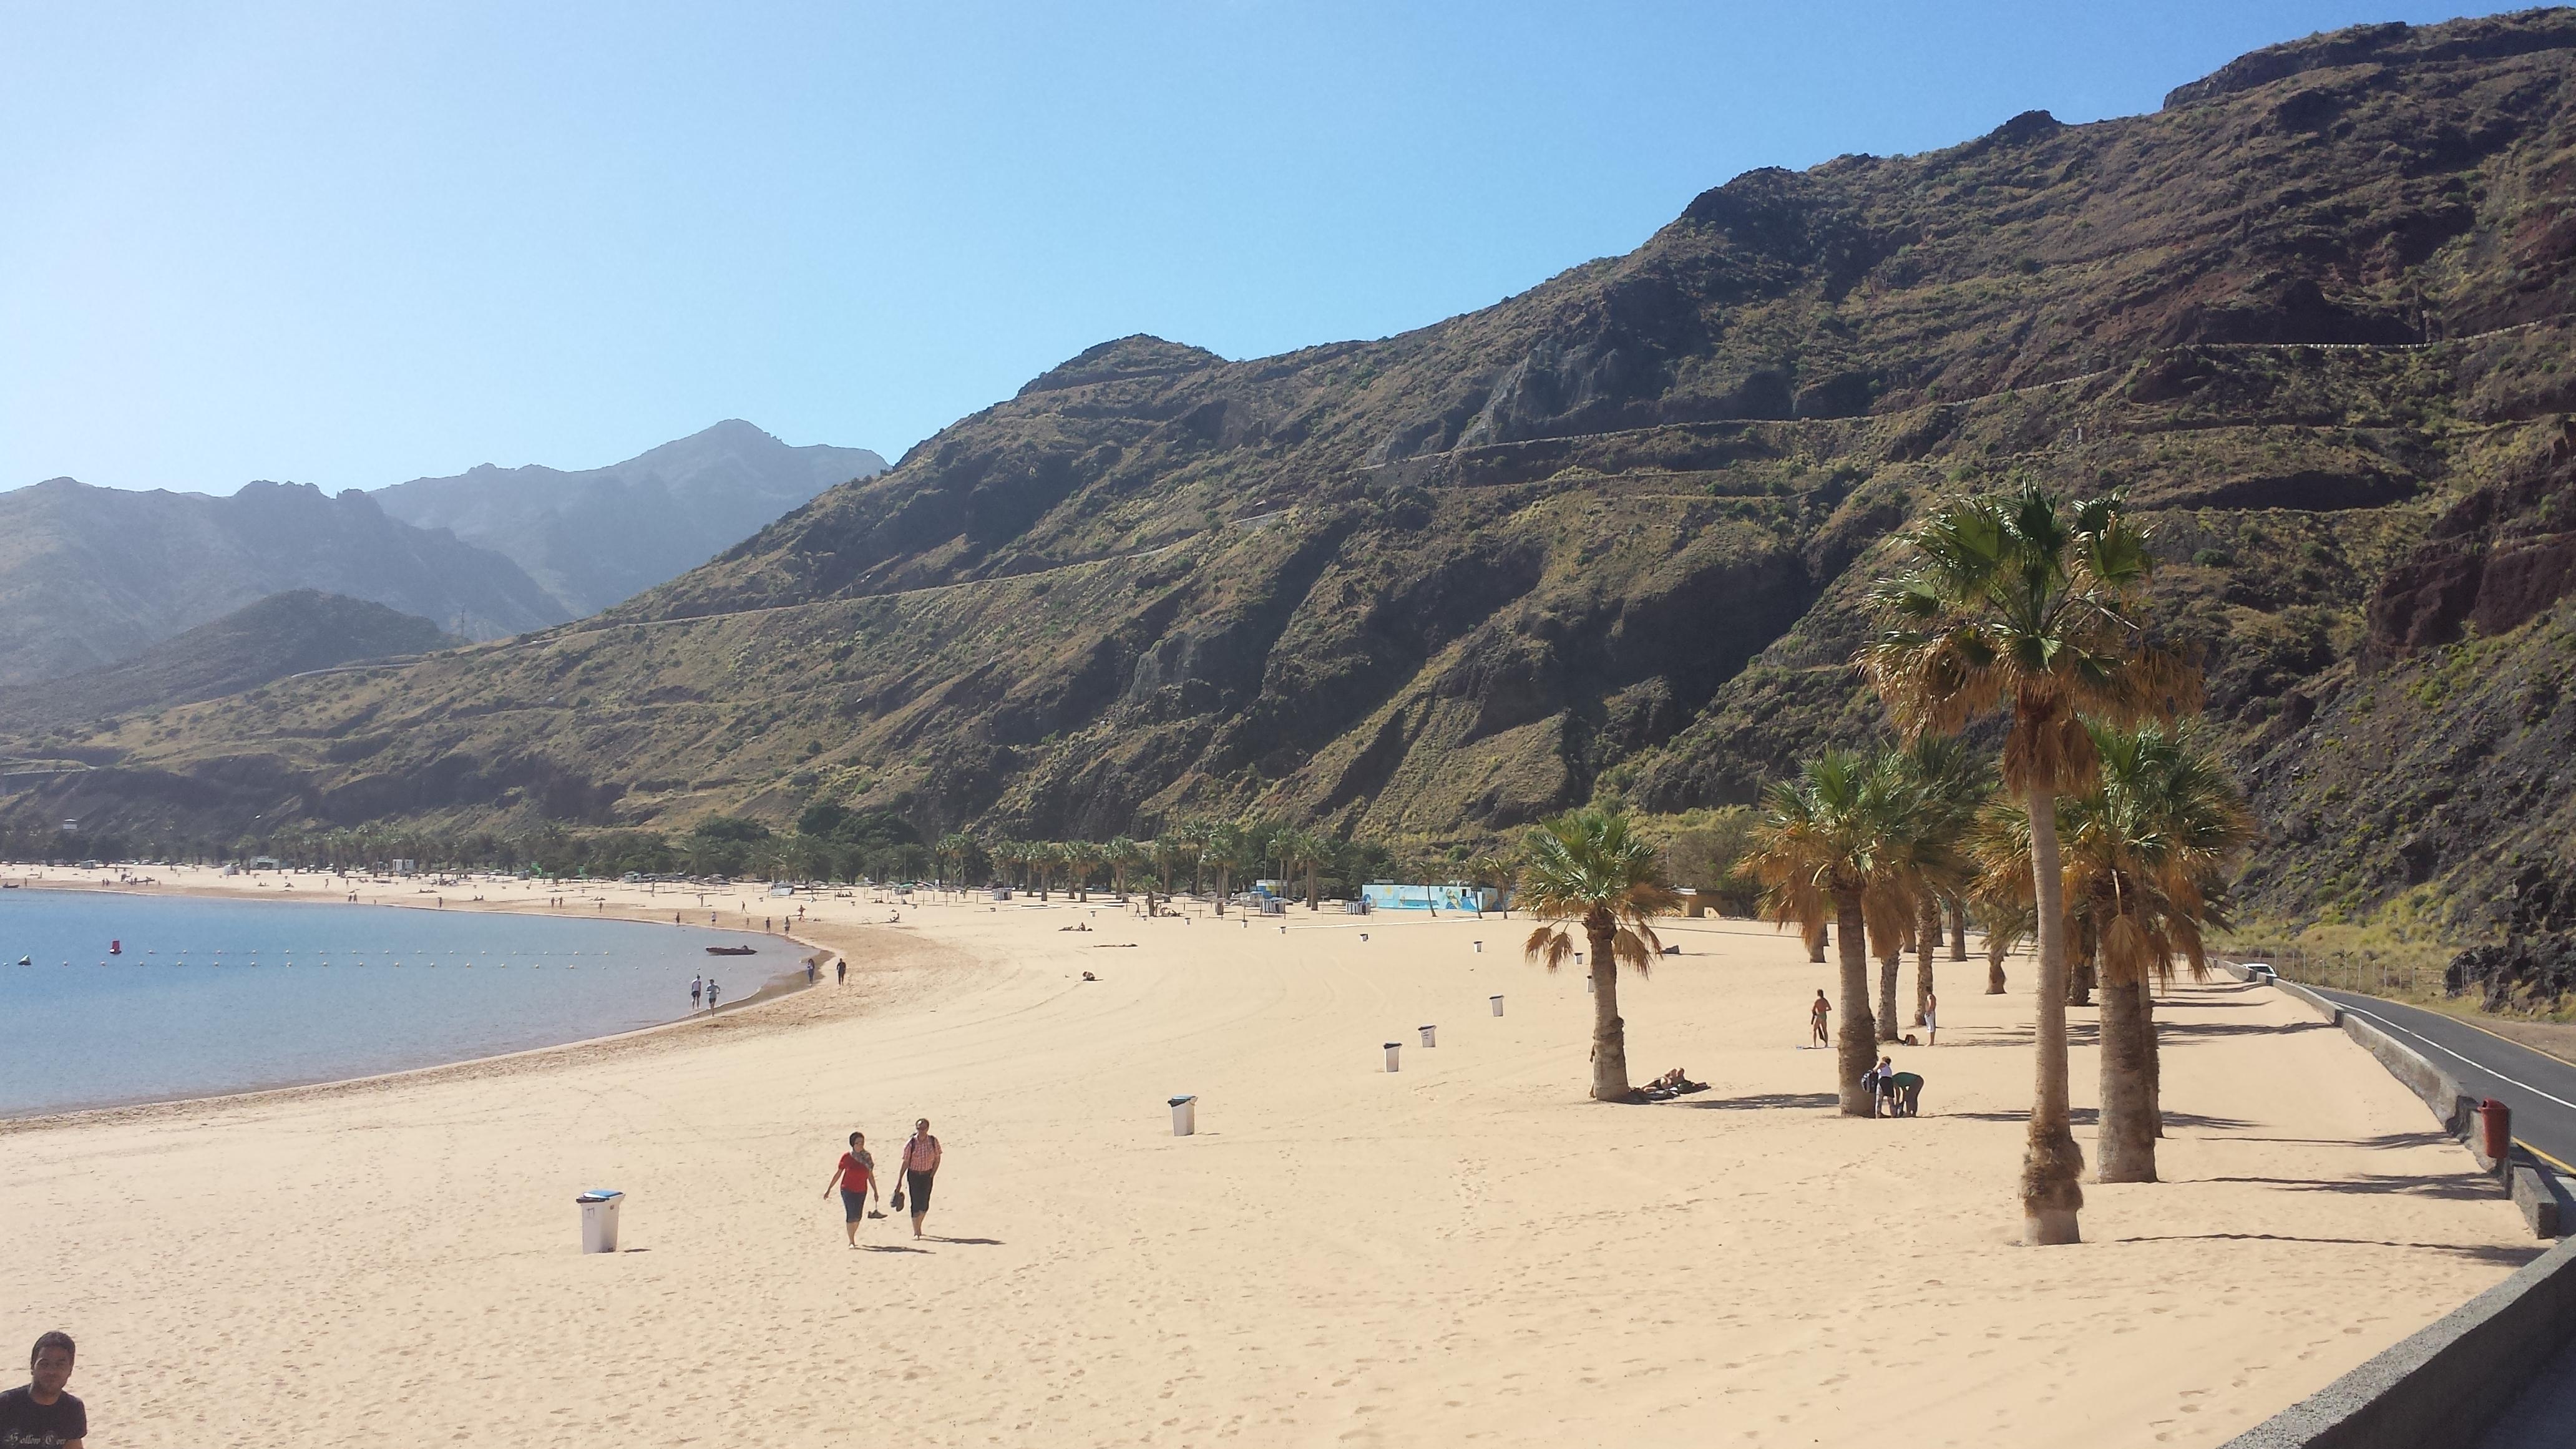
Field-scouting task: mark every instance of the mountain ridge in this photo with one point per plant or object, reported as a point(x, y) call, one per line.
point(1607, 539)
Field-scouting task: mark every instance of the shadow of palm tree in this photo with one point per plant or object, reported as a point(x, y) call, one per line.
point(2509, 1257)
point(1765, 1101)
point(2412, 1186)
point(2088, 1116)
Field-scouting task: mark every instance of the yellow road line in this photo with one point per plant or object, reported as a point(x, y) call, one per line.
point(2545, 1157)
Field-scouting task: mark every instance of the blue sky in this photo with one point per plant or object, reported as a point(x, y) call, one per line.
point(352, 244)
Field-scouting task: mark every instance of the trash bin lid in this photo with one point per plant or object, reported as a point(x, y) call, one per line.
point(1176, 1101)
point(599, 1194)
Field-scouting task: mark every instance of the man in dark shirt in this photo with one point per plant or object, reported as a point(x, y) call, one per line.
point(41, 1415)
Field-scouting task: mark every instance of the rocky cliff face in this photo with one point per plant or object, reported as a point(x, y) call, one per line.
point(1607, 538)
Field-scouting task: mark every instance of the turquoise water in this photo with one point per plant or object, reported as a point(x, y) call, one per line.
point(227, 996)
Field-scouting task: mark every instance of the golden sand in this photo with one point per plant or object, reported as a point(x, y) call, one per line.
point(1466, 1251)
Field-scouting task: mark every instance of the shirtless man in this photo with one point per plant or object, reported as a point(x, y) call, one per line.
point(1816, 1015)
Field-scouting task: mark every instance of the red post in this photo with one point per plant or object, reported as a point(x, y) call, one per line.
point(2495, 1129)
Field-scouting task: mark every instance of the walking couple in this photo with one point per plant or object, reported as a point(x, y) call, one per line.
point(855, 1175)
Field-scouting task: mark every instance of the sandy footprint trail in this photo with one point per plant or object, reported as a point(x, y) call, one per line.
point(1465, 1251)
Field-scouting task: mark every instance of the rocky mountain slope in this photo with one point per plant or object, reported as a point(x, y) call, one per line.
point(90, 576)
point(596, 537)
point(1606, 538)
point(280, 635)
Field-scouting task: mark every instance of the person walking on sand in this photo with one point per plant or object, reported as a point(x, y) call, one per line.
point(697, 989)
point(920, 1165)
point(840, 970)
point(713, 991)
point(40, 1414)
point(856, 1176)
point(1816, 1015)
point(1931, 1019)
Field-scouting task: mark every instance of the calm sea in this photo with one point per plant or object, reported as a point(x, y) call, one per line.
point(227, 996)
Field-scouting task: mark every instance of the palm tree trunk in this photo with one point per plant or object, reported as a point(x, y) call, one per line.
point(1888, 967)
point(2050, 1195)
point(1224, 879)
point(1313, 901)
point(1958, 930)
point(1856, 1041)
point(2128, 1139)
point(2079, 979)
point(1927, 936)
point(1609, 1033)
point(2155, 1058)
point(1816, 944)
point(1995, 969)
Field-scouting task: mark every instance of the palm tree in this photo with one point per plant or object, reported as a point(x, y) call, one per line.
point(1121, 855)
point(2148, 853)
point(1309, 852)
point(1586, 869)
point(1495, 871)
point(1083, 860)
point(954, 848)
point(2013, 605)
point(1231, 849)
point(1948, 784)
point(1194, 836)
point(1826, 850)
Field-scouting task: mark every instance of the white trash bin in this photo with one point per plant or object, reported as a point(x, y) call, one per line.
point(1587, 983)
point(1498, 1004)
point(599, 1219)
point(1185, 1116)
point(1480, 948)
point(1391, 1049)
point(1428, 1039)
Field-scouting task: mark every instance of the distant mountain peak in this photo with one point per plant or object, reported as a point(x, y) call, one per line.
point(596, 536)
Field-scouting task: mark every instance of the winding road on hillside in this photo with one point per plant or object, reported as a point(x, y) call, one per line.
point(2541, 1090)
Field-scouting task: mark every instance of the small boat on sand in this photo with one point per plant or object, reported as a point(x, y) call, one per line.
point(733, 950)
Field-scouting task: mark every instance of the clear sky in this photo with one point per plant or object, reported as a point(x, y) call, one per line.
point(352, 244)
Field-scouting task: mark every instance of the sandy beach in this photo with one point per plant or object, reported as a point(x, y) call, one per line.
point(1464, 1251)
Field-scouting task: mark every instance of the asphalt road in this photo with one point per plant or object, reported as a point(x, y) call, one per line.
point(2539, 1088)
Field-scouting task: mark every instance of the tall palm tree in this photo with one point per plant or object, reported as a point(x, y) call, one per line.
point(1194, 837)
point(2148, 857)
point(1829, 848)
point(2014, 604)
point(1309, 852)
point(1949, 783)
point(954, 849)
point(1088, 859)
point(1586, 869)
point(1122, 856)
point(1495, 871)
point(1232, 850)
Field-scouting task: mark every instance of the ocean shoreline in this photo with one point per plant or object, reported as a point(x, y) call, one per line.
point(779, 987)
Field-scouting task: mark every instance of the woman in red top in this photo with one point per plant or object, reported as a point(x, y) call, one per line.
point(856, 1176)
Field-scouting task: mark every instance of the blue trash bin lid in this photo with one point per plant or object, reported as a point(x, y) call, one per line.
point(599, 1194)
